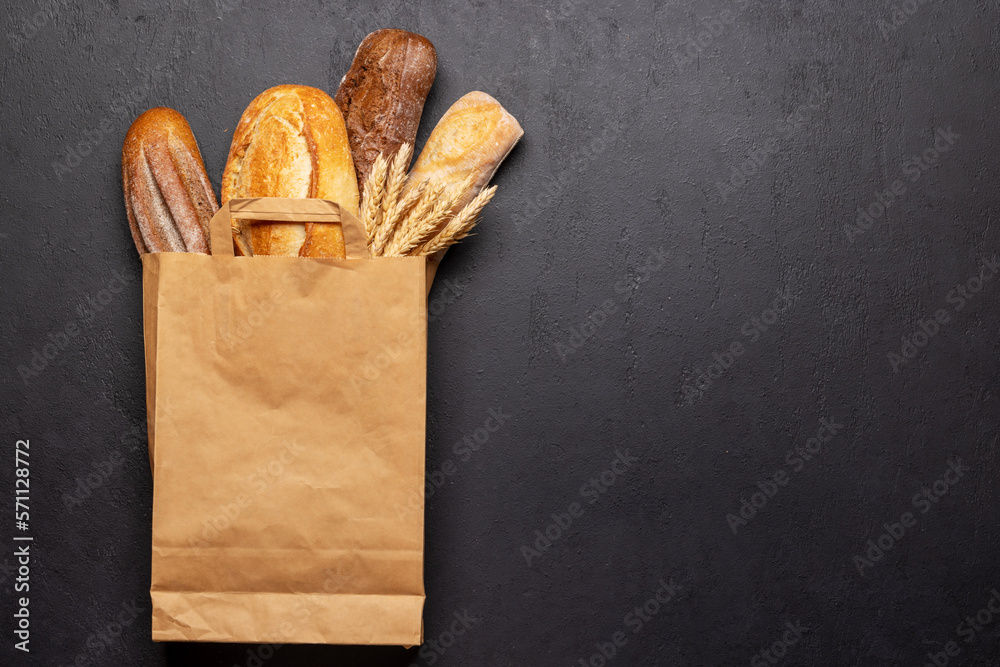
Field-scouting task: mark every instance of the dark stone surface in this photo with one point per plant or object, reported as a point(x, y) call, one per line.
point(612, 203)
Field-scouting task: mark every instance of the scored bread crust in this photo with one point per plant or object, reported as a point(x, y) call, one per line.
point(472, 138)
point(383, 93)
point(168, 197)
point(291, 142)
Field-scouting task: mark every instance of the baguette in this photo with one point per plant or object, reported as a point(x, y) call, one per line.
point(168, 197)
point(471, 140)
point(291, 142)
point(382, 96)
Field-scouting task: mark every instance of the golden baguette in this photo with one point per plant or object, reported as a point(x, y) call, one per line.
point(471, 139)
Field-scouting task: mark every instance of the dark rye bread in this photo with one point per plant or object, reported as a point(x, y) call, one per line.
point(382, 95)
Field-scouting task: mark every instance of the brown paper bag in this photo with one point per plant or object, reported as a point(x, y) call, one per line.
point(286, 413)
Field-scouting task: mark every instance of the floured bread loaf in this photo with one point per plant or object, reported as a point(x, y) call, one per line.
point(472, 138)
point(168, 197)
point(291, 142)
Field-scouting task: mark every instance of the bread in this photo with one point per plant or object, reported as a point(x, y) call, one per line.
point(471, 139)
point(382, 95)
point(291, 142)
point(168, 197)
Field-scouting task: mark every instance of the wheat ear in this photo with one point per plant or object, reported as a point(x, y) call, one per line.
point(371, 199)
point(395, 179)
point(414, 228)
point(459, 226)
point(391, 226)
point(445, 211)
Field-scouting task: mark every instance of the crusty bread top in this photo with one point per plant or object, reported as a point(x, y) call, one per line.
point(291, 142)
point(473, 137)
point(168, 197)
point(382, 95)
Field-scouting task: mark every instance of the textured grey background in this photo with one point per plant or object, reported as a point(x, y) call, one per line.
point(627, 140)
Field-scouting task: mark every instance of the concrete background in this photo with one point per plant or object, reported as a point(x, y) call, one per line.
point(686, 166)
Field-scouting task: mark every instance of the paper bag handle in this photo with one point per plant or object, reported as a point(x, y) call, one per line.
point(282, 209)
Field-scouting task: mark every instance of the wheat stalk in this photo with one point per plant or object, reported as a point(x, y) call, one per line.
point(390, 205)
point(396, 177)
point(372, 196)
point(438, 219)
point(415, 228)
point(396, 215)
point(460, 225)
point(402, 218)
point(461, 190)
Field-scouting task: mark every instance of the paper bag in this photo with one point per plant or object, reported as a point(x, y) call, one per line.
point(286, 412)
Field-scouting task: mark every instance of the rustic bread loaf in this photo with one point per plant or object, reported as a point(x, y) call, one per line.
point(291, 142)
point(471, 139)
point(382, 95)
point(168, 197)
